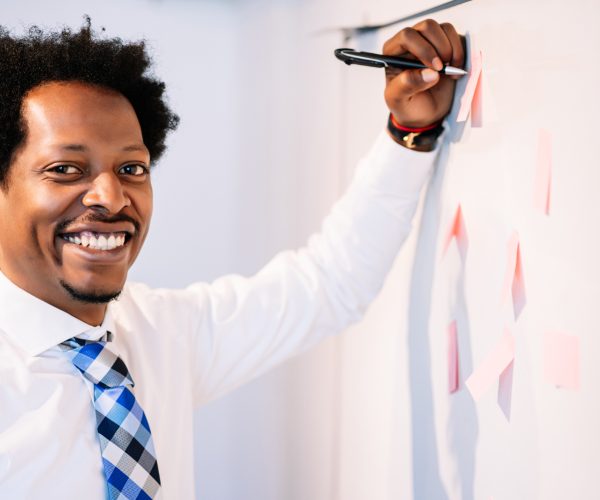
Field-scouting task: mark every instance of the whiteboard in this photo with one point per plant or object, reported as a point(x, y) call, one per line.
point(540, 72)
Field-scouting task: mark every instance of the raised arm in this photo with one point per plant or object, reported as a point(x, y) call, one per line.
point(247, 325)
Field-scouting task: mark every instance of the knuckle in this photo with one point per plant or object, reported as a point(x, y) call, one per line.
point(428, 25)
point(408, 34)
point(447, 27)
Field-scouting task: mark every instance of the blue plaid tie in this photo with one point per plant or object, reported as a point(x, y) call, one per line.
point(126, 445)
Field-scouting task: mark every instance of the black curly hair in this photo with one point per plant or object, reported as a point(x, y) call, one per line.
point(38, 57)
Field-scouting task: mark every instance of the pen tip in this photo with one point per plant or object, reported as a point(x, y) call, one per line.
point(452, 71)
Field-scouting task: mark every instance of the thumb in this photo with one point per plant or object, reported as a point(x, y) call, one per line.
point(413, 81)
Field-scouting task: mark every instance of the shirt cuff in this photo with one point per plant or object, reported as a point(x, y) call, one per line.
point(394, 169)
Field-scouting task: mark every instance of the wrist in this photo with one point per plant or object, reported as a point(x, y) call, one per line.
point(415, 138)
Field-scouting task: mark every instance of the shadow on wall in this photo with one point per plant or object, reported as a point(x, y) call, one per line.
point(462, 426)
point(462, 420)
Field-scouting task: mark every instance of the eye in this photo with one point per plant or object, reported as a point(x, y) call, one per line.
point(134, 169)
point(65, 169)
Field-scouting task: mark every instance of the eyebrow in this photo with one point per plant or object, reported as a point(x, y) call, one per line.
point(81, 147)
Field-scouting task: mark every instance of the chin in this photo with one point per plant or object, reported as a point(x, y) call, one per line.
point(91, 295)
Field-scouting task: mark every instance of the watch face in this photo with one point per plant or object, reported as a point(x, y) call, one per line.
point(409, 139)
point(419, 141)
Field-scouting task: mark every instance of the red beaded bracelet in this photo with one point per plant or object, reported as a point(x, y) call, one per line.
point(420, 139)
point(412, 129)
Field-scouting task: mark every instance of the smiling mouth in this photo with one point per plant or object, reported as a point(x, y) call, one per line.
point(98, 241)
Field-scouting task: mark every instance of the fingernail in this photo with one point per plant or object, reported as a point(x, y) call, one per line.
point(438, 65)
point(429, 75)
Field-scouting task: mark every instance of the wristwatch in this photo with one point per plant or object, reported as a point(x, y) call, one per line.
point(419, 139)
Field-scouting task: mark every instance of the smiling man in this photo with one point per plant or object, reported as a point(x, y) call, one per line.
point(78, 198)
point(99, 377)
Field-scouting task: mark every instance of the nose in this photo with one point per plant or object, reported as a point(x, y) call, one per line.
point(106, 192)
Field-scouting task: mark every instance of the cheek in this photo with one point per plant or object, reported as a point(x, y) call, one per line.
point(21, 230)
point(142, 201)
point(36, 214)
point(142, 204)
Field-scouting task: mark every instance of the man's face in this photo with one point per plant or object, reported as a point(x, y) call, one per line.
point(78, 200)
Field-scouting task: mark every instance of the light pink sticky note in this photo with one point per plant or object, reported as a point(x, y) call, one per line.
point(452, 358)
point(457, 231)
point(514, 279)
point(505, 389)
point(467, 97)
point(492, 366)
point(518, 285)
point(561, 360)
point(477, 103)
point(543, 173)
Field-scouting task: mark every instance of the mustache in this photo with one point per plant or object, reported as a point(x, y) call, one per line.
point(63, 226)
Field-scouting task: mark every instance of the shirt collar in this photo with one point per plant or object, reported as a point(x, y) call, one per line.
point(37, 326)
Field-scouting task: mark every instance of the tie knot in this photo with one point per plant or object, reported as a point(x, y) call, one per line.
point(98, 363)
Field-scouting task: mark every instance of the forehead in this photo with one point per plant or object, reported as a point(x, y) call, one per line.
point(73, 111)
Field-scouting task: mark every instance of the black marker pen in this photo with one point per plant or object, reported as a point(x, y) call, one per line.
point(350, 56)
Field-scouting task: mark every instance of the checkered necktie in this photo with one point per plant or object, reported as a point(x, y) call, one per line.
point(126, 445)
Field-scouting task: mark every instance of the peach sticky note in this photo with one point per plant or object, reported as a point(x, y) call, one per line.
point(467, 97)
point(514, 280)
point(477, 102)
point(492, 366)
point(543, 173)
point(505, 389)
point(457, 231)
point(561, 360)
point(452, 358)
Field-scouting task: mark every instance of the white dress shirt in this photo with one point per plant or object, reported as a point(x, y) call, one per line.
point(186, 347)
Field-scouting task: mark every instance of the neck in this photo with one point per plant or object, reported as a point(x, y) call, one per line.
point(90, 309)
point(92, 314)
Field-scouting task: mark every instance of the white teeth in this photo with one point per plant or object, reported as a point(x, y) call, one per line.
point(102, 242)
point(106, 241)
point(111, 244)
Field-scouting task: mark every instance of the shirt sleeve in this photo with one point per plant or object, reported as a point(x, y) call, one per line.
point(248, 325)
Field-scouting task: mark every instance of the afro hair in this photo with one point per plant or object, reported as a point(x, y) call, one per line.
point(65, 55)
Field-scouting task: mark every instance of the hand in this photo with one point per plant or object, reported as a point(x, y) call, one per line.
point(420, 97)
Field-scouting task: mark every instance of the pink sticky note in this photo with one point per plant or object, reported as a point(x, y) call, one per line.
point(505, 389)
point(514, 279)
point(467, 97)
point(543, 173)
point(477, 103)
point(457, 231)
point(518, 285)
point(492, 366)
point(561, 360)
point(452, 358)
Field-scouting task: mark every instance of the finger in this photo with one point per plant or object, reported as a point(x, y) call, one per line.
point(458, 53)
point(411, 41)
point(437, 37)
point(412, 81)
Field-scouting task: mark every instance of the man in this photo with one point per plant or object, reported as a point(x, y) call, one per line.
point(99, 377)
